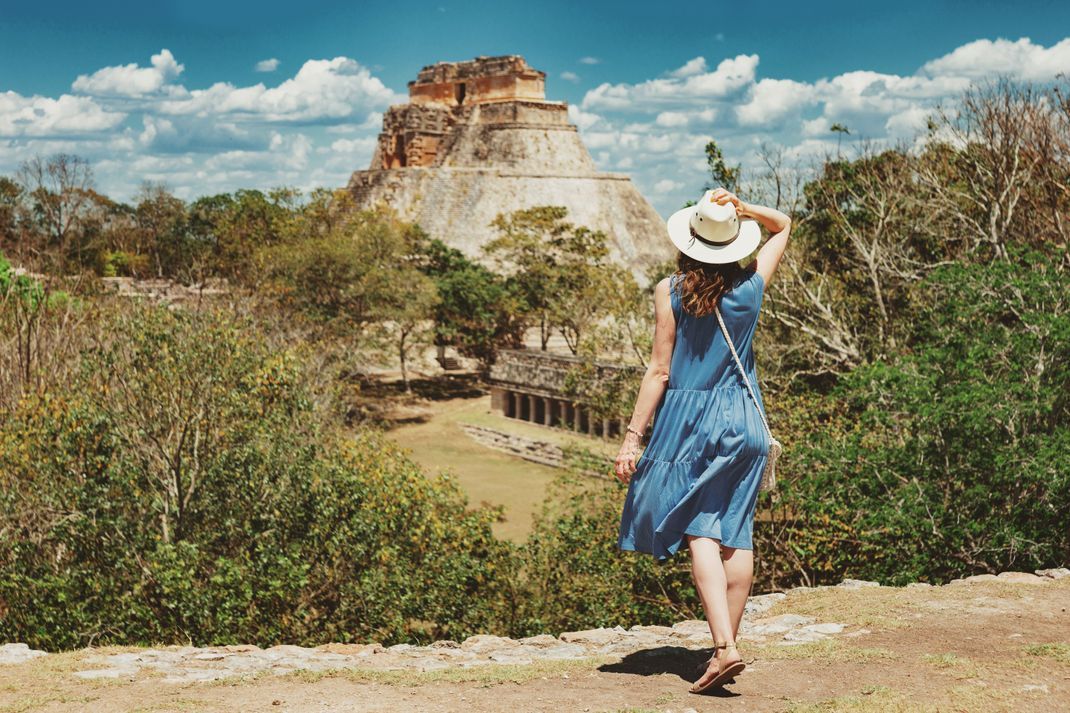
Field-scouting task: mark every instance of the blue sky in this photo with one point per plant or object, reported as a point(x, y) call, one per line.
point(170, 91)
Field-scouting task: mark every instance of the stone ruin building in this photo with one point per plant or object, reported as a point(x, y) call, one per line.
point(479, 138)
point(528, 384)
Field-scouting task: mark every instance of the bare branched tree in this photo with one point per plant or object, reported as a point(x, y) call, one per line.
point(60, 188)
point(989, 160)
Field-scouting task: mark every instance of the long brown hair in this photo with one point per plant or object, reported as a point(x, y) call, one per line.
point(701, 284)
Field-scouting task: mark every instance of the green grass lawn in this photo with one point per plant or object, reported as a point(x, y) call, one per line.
point(440, 445)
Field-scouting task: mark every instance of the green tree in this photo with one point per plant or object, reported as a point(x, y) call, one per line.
point(549, 260)
point(10, 213)
point(721, 174)
point(407, 320)
point(164, 220)
point(477, 311)
point(26, 303)
point(586, 284)
point(237, 227)
point(350, 277)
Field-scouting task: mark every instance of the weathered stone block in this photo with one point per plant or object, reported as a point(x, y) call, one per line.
point(857, 584)
point(1056, 573)
point(596, 637)
point(1021, 577)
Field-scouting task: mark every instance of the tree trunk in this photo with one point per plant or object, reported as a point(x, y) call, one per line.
point(404, 368)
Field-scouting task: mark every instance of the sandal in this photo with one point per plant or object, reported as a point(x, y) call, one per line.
point(725, 674)
point(701, 666)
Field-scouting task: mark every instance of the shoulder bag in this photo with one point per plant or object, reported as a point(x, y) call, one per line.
point(769, 474)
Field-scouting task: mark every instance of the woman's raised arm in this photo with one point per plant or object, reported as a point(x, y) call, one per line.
point(773, 220)
point(777, 223)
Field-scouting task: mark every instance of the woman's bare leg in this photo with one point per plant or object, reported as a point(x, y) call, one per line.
point(739, 573)
point(708, 571)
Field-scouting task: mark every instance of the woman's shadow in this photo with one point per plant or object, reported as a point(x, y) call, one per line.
point(673, 660)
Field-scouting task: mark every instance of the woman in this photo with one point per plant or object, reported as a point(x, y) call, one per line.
point(697, 481)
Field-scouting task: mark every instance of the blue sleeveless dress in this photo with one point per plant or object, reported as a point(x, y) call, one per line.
point(700, 471)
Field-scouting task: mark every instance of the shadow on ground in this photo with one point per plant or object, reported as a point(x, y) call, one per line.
point(672, 660)
point(436, 388)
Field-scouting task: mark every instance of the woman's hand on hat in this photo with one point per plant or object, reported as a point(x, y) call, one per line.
point(722, 196)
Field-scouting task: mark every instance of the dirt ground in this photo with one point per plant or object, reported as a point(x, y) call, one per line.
point(983, 646)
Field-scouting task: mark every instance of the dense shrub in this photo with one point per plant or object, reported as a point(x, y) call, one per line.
point(573, 553)
point(954, 457)
point(183, 489)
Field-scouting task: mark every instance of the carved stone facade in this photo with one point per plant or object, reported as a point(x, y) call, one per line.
point(529, 385)
point(479, 138)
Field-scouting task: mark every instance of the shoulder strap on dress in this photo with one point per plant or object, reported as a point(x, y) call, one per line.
point(742, 371)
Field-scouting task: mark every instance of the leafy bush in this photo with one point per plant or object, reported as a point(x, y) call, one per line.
point(955, 459)
point(120, 263)
point(183, 489)
point(573, 553)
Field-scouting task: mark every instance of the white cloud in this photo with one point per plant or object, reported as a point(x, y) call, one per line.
point(570, 76)
point(675, 119)
point(138, 123)
point(130, 80)
point(581, 118)
point(322, 89)
point(816, 127)
point(267, 65)
point(690, 68)
point(1021, 59)
point(374, 120)
point(907, 122)
point(316, 126)
point(180, 134)
point(361, 144)
point(773, 99)
point(811, 148)
point(667, 185)
point(68, 115)
point(730, 76)
point(660, 125)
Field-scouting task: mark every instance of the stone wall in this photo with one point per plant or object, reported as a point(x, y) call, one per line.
point(528, 385)
point(689, 639)
point(482, 79)
point(164, 290)
point(530, 449)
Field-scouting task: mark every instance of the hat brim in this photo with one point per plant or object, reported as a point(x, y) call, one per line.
point(679, 226)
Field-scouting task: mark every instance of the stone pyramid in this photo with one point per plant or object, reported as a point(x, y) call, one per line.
point(479, 138)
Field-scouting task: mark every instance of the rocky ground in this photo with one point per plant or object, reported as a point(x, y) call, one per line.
point(982, 643)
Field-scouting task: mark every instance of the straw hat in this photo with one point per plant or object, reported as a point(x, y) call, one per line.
point(712, 232)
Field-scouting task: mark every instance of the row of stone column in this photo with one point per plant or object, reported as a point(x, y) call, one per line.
point(550, 411)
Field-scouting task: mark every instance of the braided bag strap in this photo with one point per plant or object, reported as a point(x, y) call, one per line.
point(742, 371)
